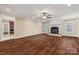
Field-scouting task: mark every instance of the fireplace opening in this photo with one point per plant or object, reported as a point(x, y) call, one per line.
point(54, 30)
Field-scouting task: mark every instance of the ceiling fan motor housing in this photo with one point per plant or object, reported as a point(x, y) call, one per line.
point(46, 15)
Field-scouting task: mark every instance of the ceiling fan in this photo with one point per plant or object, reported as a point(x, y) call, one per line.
point(46, 15)
point(43, 17)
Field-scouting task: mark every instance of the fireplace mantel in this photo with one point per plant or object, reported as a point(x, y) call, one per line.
point(55, 25)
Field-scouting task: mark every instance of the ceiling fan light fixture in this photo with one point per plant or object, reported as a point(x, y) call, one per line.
point(49, 16)
point(44, 14)
point(44, 17)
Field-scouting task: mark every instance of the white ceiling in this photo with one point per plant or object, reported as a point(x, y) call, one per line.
point(33, 10)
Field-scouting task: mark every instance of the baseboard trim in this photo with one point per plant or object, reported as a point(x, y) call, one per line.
point(39, 34)
point(46, 34)
point(70, 36)
point(29, 35)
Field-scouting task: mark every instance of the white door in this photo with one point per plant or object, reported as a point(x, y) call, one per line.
point(5, 27)
point(69, 27)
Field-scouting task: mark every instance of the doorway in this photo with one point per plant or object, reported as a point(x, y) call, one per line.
point(5, 32)
point(45, 26)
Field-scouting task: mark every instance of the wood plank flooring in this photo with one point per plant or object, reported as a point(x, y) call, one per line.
point(41, 44)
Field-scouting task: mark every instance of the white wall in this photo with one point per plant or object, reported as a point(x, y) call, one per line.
point(0, 30)
point(27, 28)
point(78, 27)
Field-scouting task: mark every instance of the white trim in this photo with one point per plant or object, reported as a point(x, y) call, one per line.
point(45, 32)
point(20, 37)
point(26, 36)
point(70, 35)
point(55, 35)
point(7, 38)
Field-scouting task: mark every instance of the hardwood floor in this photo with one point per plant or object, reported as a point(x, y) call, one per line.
point(42, 44)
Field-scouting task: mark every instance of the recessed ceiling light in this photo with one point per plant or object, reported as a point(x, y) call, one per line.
point(68, 4)
point(32, 17)
point(7, 9)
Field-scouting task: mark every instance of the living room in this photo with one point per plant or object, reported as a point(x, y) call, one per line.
point(53, 27)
